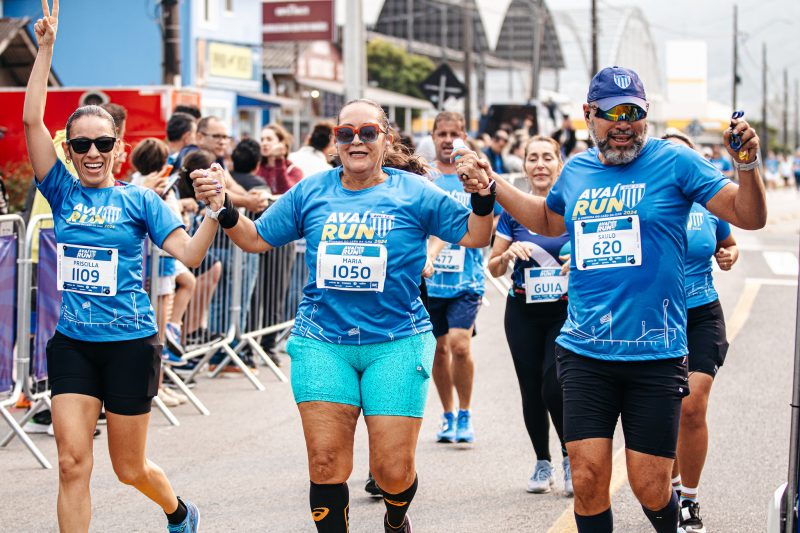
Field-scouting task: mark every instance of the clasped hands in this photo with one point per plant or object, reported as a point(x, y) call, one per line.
point(209, 186)
point(475, 173)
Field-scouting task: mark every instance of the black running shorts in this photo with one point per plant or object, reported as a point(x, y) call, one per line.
point(708, 342)
point(123, 375)
point(646, 394)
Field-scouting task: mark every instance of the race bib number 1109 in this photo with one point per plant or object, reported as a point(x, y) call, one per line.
point(87, 269)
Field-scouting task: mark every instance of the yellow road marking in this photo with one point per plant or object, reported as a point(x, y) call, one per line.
point(619, 475)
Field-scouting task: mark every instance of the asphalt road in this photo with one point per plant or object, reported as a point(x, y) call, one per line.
point(245, 464)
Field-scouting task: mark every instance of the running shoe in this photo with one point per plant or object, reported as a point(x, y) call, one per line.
point(568, 490)
point(372, 487)
point(39, 422)
point(171, 358)
point(167, 400)
point(464, 430)
point(690, 517)
point(191, 524)
point(102, 418)
point(541, 480)
point(447, 429)
point(172, 333)
point(405, 528)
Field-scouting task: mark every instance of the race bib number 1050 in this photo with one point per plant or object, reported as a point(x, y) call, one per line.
point(87, 269)
point(608, 243)
point(351, 267)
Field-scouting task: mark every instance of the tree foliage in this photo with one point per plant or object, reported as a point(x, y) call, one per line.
point(393, 69)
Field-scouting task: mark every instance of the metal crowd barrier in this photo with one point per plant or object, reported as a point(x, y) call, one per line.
point(24, 369)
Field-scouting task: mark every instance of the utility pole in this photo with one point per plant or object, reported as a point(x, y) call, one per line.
point(171, 43)
point(765, 127)
point(595, 66)
point(796, 115)
point(785, 139)
point(466, 19)
point(735, 52)
point(409, 24)
point(355, 72)
point(536, 63)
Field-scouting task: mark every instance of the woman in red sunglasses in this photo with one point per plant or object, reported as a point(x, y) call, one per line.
point(362, 339)
point(105, 348)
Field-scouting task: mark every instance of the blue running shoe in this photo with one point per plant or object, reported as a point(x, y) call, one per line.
point(448, 428)
point(169, 357)
point(568, 489)
point(172, 333)
point(191, 524)
point(464, 431)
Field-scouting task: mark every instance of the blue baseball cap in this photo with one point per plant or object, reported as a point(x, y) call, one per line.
point(613, 86)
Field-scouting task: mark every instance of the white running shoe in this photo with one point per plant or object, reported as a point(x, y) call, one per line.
point(568, 490)
point(541, 481)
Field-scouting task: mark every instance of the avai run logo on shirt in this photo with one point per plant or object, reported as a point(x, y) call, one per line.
point(695, 222)
point(608, 201)
point(371, 227)
point(84, 215)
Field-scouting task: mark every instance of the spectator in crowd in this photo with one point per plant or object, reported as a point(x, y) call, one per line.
point(772, 176)
point(796, 167)
point(515, 158)
point(785, 169)
point(120, 116)
point(315, 155)
point(149, 158)
point(720, 161)
point(189, 109)
point(279, 173)
point(495, 151)
point(209, 272)
point(181, 137)
point(246, 160)
point(565, 135)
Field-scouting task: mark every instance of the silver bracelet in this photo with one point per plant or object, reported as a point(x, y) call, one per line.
point(747, 166)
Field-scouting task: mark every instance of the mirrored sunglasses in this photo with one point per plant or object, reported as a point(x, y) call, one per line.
point(618, 113)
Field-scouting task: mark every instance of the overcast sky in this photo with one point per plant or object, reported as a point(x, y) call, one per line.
point(774, 22)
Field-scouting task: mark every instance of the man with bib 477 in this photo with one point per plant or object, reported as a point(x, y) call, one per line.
point(622, 351)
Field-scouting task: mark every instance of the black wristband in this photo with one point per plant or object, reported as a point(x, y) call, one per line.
point(229, 216)
point(483, 205)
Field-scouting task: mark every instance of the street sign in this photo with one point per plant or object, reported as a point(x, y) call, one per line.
point(441, 85)
point(300, 20)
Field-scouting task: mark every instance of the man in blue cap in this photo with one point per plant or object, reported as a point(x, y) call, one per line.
point(622, 351)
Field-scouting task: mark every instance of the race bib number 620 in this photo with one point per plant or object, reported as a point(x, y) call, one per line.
point(608, 243)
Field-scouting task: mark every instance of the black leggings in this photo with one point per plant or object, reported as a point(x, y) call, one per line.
point(531, 331)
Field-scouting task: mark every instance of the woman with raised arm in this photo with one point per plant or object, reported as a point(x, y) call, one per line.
point(105, 349)
point(362, 339)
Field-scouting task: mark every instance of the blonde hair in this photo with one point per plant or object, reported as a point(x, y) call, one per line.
point(549, 140)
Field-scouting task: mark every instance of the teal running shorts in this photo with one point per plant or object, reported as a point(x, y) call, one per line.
point(387, 378)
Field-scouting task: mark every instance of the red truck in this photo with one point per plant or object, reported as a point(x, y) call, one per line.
point(148, 108)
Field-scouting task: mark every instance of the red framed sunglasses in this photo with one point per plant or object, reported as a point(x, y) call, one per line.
point(368, 133)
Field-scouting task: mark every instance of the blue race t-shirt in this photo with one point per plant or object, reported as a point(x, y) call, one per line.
point(722, 164)
point(627, 227)
point(96, 228)
point(365, 252)
point(704, 231)
point(545, 250)
point(458, 270)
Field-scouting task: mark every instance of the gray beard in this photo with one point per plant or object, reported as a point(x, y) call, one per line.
point(614, 156)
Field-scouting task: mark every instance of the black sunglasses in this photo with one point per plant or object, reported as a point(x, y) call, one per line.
point(81, 145)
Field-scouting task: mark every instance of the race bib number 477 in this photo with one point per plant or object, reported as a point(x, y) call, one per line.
point(608, 243)
point(351, 267)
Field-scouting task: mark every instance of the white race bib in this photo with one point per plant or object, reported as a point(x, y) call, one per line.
point(608, 243)
point(451, 259)
point(351, 267)
point(87, 269)
point(544, 285)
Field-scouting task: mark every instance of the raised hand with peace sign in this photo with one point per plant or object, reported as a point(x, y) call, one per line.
point(47, 26)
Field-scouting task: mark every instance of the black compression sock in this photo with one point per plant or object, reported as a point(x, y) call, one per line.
point(397, 505)
point(599, 523)
point(179, 515)
point(330, 507)
point(665, 520)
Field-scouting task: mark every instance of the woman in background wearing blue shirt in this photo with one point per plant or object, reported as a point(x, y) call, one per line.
point(536, 309)
point(707, 237)
point(362, 338)
point(105, 350)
